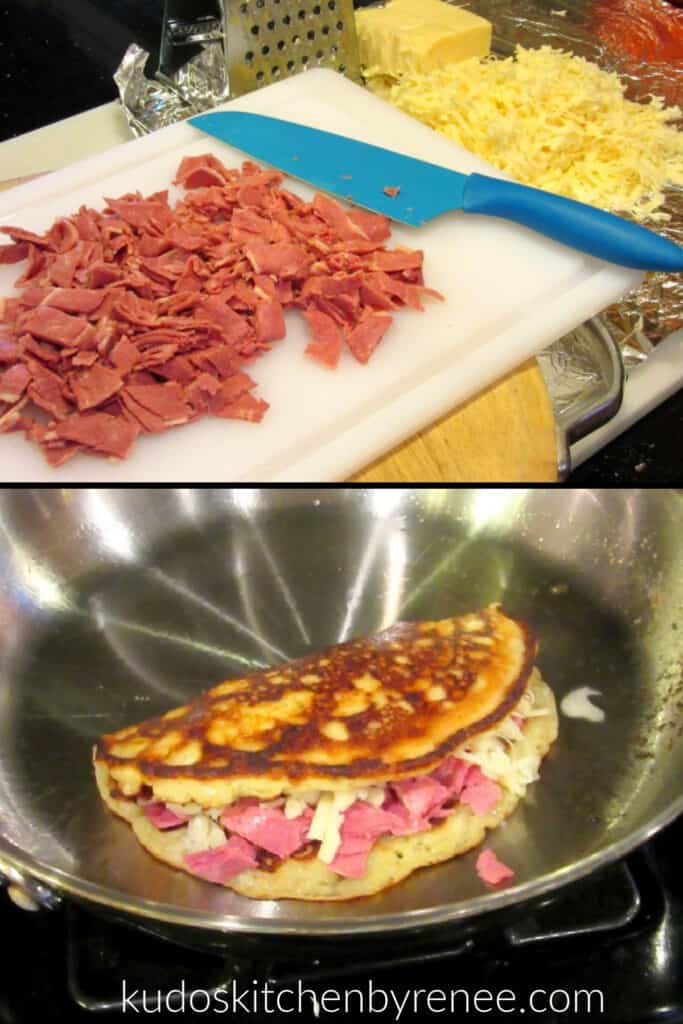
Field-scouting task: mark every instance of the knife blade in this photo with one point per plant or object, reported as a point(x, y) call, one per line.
point(414, 192)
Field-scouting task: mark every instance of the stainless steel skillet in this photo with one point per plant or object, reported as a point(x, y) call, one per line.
point(115, 605)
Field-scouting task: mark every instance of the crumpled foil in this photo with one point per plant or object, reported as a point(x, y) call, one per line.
point(151, 103)
point(575, 373)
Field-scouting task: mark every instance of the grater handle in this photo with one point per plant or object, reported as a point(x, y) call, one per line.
point(186, 28)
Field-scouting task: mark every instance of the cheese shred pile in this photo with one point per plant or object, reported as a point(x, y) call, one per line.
point(554, 121)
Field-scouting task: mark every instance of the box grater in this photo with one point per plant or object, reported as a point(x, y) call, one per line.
point(266, 40)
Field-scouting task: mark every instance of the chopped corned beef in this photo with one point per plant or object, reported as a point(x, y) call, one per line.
point(452, 773)
point(14, 252)
point(328, 339)
point(337, 218)
point(86, 358)
point(366, 336)
point(45, 391)
point(9, 351)
point(140, 316)
point(69, 300)
point(201, 390)
point(63, 268)
point(35, 264)
point(162, 817)
point(94, 386)
point(480, 793)
point(364, 819)
point(140, 213)
point(107, 435)
point(234, 386)
point(124, 355)
point(20, 235)
point(246, 407)
point(10, 416)
point(267, 827)
point(351, 859)
point(363, 824)
point(47, 354)
point(412, 805)
point(233, 327)
point(164, 400)
point(280, 259)
point(491, 870)
point(373, 226)
point(269, 321)
point(13, 383)
point(401, 821)
point(222, 862)
point(421, 794)
point(182, 239)
point(101, 274)
point(63, 235)
point(54, 325)
point(202, 170)
point(137, 414)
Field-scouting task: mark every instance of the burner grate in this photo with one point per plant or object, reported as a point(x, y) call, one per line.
point(611, 905)
point(607, 906)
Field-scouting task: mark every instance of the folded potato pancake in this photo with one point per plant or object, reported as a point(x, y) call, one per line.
point(340, 773)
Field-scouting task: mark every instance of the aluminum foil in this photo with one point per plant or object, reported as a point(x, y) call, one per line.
point(151, 103)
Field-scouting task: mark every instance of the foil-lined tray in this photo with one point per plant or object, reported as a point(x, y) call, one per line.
point(642, 318)
point(649, 313)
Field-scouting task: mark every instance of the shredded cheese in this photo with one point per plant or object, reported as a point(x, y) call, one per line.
point(188, 809)
point(327, 821)
point(373, 795)
point(491, 750)
point(319, 823)
point(554, 121)
point(293, 807)
point(296, 805)
point(202, 834)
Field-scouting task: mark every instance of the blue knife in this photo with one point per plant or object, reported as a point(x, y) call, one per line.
point(419, 191)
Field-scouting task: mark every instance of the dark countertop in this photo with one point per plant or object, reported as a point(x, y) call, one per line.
point(57, 58)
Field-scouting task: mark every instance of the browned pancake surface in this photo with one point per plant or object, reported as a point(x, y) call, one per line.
point(376, 708)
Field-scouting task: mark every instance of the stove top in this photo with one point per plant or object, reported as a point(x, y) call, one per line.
point(609, 948)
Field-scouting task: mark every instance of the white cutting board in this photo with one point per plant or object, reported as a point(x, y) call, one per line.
point(508, 291)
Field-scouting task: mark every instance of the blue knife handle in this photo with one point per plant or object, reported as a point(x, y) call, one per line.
point(583, 227)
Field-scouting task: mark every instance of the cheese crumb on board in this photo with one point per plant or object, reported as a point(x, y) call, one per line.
point(554, 121)
point(418, 36)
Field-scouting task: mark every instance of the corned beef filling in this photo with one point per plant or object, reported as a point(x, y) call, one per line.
point(491, 870)
point(259, 834)
point(143, 316)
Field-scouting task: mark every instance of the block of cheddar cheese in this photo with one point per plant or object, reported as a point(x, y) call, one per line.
point(418, 36)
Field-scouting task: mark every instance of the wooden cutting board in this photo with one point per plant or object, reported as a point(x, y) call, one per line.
point(506, 434)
